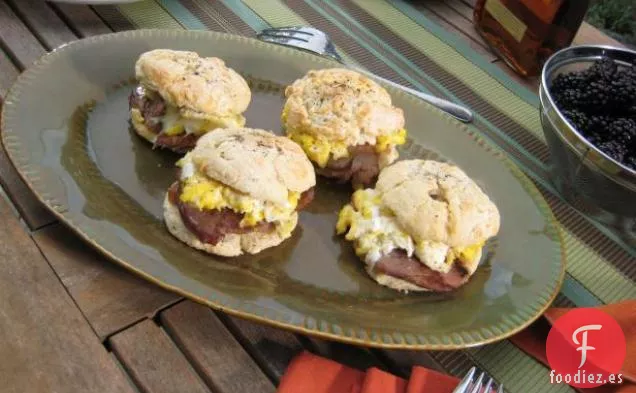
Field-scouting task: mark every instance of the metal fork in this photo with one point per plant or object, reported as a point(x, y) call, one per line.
point(317, 41)
point(467, 385)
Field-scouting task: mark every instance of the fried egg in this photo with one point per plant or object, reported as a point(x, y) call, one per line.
point(208, 194)
point(375, 233)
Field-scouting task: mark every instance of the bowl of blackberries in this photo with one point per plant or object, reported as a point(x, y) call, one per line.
point(588, 114)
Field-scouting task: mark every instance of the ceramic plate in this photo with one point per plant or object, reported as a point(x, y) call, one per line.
point(65, 127)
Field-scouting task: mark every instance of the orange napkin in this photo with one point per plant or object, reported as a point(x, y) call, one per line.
point(378, 381)
point(532, 341)
point(424, 380)
point(309, 373)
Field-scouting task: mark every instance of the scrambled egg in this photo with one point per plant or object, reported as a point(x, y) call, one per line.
point(320, 149)
point(375, 233)
point(209, 194)
point(174, 124)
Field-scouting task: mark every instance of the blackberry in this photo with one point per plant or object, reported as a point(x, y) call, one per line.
point(630, 161)
point(623, 91)
point(614, 149)
point(594, 98)
point(568, 98)
point(578, 119)
point(602, 70)
point(569, 80)
point(623, 130)
point(600, 103)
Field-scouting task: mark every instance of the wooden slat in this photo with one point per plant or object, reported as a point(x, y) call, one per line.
point(272, 348)
point(110, 297)
point(153, 361)
point(8, 73)
point(589, 35)
point(113, 17)
point(22, 45)
point(32, 211)
point(213, 350)
point(461, 8)
point(43, 22)
point(47, 346)
point(453, 22)
point(82, 19)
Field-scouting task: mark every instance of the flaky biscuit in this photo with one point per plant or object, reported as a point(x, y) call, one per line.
point(199, 86)
point(438, 202)
point(341, 105)
point(254, 161)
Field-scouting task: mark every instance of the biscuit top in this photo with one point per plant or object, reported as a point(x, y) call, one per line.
point(199, 86)
point(438, 202)
point(255, 162)
point(341, 105)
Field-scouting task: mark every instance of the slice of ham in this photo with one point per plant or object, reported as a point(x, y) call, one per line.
point(210, 226)
point(361, 167)
point(152, 109)
point(399, 265)
point(181, 143)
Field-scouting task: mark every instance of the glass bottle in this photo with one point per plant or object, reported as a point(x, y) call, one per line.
point(524, 33)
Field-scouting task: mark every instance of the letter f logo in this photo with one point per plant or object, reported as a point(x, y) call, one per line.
point(583, 344)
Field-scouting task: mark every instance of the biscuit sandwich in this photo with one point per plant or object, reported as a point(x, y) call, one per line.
point(181, 96)
point(422, 228)
point(239, 191)
point(345, 122)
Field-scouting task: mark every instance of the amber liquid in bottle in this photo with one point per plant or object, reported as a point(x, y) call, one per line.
point(524, 33)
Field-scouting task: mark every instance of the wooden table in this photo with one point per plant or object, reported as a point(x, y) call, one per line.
point(71, 321)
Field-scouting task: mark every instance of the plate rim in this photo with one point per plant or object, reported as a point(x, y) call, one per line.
point(377, 342)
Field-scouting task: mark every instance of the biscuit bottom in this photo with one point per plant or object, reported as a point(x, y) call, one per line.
point(232, 244)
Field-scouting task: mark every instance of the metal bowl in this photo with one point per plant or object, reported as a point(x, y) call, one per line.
point(589, 179)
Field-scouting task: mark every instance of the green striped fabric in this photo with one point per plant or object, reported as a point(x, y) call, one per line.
point(398, 39)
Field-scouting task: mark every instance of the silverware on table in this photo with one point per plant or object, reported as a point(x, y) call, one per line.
point(468, 385)
point(316, 41)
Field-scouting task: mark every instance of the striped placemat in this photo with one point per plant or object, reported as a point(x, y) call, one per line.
point(397, 40)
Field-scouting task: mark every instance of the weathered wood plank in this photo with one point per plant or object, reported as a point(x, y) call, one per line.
point(113, 18)
point(47, 346)
point(454, 21)
point(32, 211)
point(590, 35)
point(153, 362)
point(43, 22)
point(8, 73)
point(272, 348)
point(439, 13)
point(22, 45)
point(82, 19)
point(461, 8)
point(213, 350)
point(110, 297)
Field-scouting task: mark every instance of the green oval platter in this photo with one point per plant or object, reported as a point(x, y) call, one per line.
point(65, 128)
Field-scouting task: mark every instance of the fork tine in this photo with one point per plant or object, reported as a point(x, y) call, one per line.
point(288, 36)
point(290, 29)
point(464, 383)
point(500, 390)
point(477, 385)
point(488, 385)
point(287, 41)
